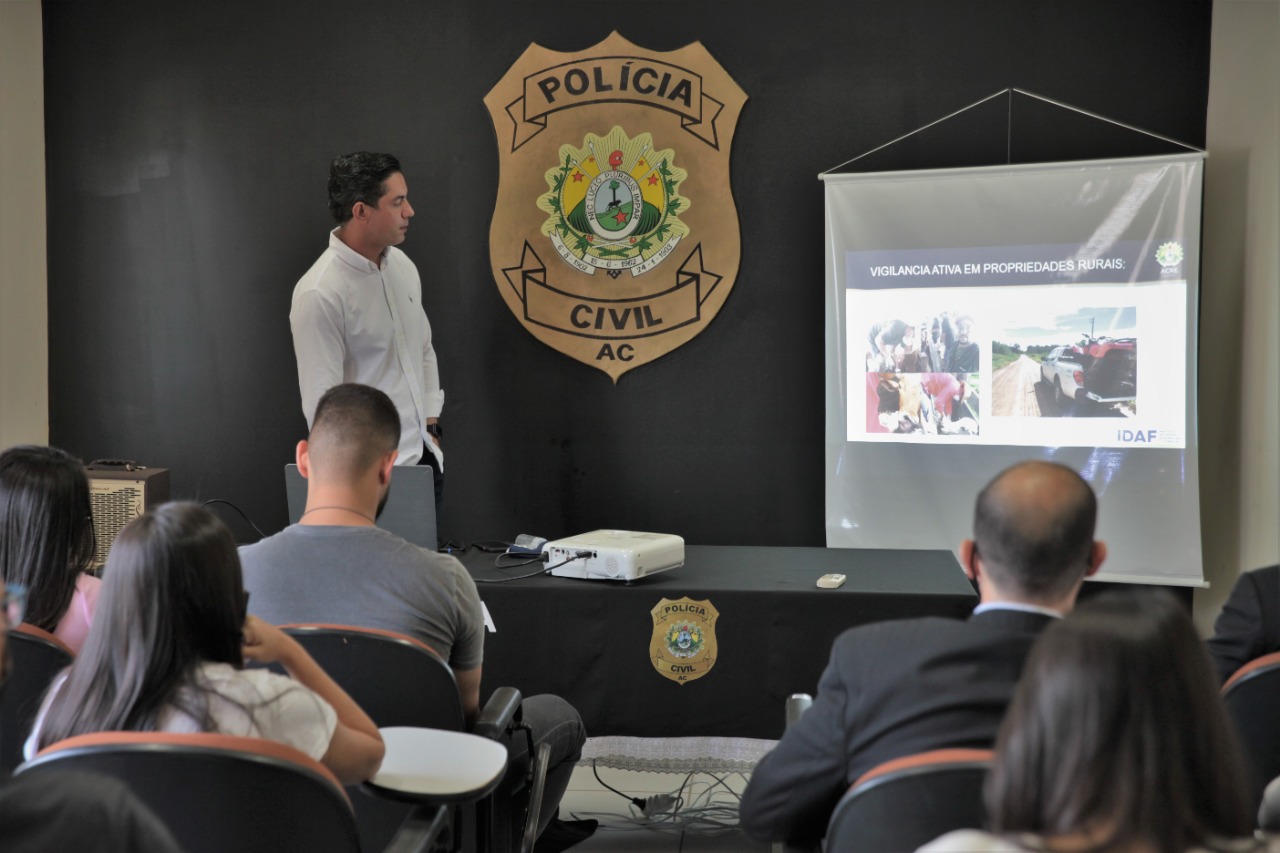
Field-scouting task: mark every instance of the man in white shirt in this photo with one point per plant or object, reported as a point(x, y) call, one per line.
point(357, 314)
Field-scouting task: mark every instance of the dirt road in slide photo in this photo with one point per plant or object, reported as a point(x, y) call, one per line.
point(1014, 390)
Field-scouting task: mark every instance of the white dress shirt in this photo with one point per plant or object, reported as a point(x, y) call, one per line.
point(356, 321)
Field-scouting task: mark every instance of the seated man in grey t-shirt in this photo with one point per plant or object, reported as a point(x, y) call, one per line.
point(348, 573)
point(336, 565)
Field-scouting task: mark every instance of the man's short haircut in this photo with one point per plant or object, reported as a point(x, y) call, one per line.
point(354, 427)
point(359, 176)
point(1033, 527)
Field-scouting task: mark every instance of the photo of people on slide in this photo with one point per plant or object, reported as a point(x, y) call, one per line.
point(924, 403)
point(1084, 365)
point(937, 342)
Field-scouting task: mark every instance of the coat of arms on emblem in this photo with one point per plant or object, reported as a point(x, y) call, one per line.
point(616, 213)
point(683, 646)
point(615, 236)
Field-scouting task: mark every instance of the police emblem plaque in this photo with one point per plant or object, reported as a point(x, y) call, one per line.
point(615, 236)
point(683, 646)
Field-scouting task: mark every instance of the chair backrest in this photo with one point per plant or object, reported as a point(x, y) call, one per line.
point(38, 657)
point(1252, 697)
point(218, 792)
point(906, 803)
point(396, 679)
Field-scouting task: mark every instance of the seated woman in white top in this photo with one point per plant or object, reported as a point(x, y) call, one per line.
point(167, 645)
point(1116, 741)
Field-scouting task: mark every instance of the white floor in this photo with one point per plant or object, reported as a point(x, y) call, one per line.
point(705, 818)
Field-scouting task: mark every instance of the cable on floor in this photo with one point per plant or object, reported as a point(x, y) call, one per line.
point(692, 808)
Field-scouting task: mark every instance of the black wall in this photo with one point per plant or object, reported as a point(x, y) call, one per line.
point(187, 153)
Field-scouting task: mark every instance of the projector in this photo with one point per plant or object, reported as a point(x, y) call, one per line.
point(616, 555)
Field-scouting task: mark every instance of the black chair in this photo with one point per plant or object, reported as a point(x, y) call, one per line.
point(38, 657)
point(906, 803)
point(223, 792)
point(1252, 697)
point(401, 681)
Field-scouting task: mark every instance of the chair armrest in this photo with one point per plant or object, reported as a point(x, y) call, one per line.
point(797, 704)
point(498, 713)
point(421, 830)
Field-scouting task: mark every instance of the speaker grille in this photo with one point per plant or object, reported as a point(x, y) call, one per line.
point(113, 508)
point(118, 497)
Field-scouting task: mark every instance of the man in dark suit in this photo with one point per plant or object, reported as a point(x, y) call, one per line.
point(896, 688)
point(1249, 624)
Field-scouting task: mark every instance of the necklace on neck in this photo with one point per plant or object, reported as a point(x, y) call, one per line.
point(343, 508)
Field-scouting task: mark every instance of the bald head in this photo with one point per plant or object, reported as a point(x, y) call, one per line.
point(1033, 528)
point(355, 427)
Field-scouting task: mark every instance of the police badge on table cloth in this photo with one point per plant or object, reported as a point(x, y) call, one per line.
point(683, 646)
point(615, 235)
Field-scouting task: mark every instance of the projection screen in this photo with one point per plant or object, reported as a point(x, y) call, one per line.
point(977, 317)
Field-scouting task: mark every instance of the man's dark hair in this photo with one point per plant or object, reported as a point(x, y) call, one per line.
point(354, 426)
point(1117, 727)
point(359, 176)
point(1033, 528)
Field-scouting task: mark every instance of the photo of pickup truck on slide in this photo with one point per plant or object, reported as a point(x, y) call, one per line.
point(1036, 375)
point(1095, 377)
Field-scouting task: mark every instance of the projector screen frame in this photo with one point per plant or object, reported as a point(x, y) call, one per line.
point(1158, 493)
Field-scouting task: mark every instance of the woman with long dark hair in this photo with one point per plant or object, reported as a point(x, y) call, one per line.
point(1116, 740)
point(46, 539)
point(167, 648)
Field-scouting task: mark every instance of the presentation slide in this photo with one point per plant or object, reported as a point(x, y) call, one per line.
point(980, 317)
point(983, 346)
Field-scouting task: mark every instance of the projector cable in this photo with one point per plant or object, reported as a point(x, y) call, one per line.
point(527, 561)
point(580, 555)
point(246, 518)
point(649, 806)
